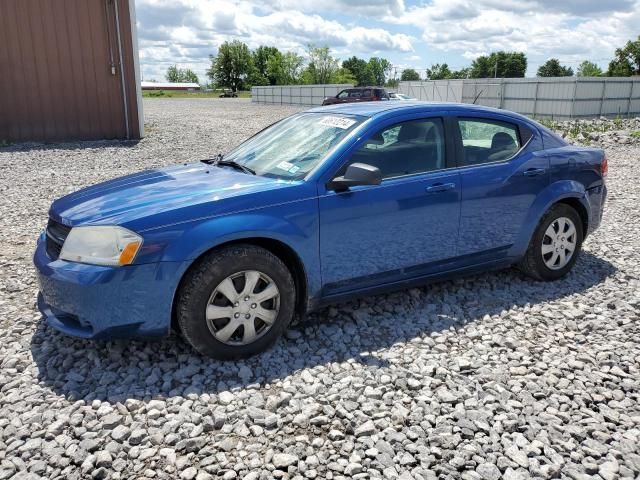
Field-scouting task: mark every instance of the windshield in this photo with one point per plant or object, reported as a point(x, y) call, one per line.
point(292, 147)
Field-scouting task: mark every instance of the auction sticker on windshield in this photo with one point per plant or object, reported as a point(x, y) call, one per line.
point(338, 122)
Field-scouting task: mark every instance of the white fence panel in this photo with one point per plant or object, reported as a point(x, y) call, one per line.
point(305, 95)
point(436, 91)
point(560, 98)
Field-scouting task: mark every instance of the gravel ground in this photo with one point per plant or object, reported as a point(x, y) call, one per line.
point(481, 378)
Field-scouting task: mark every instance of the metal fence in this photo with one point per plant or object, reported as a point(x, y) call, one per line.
point(435, 90)
point(559, 97)
point(307, 95)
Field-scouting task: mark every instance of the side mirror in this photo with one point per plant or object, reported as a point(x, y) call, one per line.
point(356, 174)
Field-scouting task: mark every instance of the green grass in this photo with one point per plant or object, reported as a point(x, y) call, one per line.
point(636, 134)
point(185, 94)
point(4, 143)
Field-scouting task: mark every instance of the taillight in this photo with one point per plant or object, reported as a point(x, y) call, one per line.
point(604, 167)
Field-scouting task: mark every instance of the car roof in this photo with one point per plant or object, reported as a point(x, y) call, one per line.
point(374, 109)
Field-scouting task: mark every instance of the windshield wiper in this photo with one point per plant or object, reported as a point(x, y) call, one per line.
point(236, 165)
point(214, 160)
point(219, 162)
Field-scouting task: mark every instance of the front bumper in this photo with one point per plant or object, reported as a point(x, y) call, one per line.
point(90, 301)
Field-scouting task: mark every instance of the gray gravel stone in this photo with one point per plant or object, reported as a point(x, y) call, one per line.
point(188, 473)
point(283, 460)
point(488, 471)
point(366, 429)
point(120, 433)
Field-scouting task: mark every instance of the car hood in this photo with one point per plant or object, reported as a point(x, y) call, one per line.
point(197, 190)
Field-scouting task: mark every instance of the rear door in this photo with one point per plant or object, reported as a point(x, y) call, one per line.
point(501, 176)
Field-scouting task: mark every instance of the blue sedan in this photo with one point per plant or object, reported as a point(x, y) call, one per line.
point(322, 206)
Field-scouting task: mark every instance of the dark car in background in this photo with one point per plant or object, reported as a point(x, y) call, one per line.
point(357, 94)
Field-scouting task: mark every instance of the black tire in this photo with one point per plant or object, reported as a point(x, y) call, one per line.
point(200, 282)
point(533, 264)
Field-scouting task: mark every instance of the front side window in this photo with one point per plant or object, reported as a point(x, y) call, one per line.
point(406, 148)
point(343, 94)
point(292, 147)
point(486, 141)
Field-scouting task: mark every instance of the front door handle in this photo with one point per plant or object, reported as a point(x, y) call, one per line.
point(440, 187)
point(532, 172)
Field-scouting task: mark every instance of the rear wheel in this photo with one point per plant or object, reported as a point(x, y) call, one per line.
point(236, 302)
point(555, 245)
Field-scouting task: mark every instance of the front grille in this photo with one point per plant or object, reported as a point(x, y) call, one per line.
point(56, 235)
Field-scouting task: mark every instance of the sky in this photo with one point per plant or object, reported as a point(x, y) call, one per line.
point(411, 34)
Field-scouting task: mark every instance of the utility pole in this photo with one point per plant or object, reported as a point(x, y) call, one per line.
point(495, 73)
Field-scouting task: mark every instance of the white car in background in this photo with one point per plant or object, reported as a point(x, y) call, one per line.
point(400, 96)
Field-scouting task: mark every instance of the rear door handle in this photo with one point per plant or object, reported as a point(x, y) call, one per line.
point(532, 172)
point(440, 187)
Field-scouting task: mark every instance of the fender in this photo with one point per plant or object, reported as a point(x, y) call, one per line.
point(554, 193)
point(294, 224)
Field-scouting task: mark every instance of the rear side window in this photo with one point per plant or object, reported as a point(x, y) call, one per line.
point(366, 93)
point(355, 93)
point(486, 141)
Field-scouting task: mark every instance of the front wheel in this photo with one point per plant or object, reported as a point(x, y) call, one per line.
point(236, 302)
point(555, 245)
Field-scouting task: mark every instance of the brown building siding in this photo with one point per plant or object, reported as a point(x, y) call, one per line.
point(56, 78)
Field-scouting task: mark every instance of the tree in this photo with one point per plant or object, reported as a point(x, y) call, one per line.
point(322, 66)
point(438, 71)
point(173, 74)
point(379, 67)
point(343, 75)
point(291, 68)
point(178, 75)
point(189, 76)
point(409, 74)
point(360, 70)
point(499, 64)
point(462, 73)
point(232, 66)
point(552, 68)
point(626, 61)
point(266, 65)
point(589, 69)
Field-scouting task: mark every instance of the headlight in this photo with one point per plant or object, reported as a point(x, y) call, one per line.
point(112, 246)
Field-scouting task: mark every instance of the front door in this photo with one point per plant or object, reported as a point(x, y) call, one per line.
point(371, 235)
